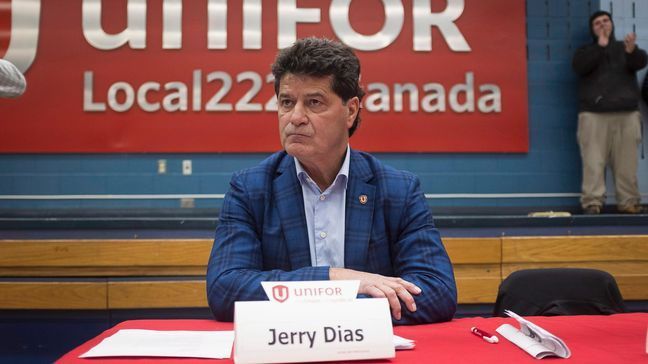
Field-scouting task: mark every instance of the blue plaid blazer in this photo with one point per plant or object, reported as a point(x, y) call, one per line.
point(262, 236)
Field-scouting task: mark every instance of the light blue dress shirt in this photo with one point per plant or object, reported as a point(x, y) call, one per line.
point(325, 215)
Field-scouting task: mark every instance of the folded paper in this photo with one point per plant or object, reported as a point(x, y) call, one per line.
point(533, 339)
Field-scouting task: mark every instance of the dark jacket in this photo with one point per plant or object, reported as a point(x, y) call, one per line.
point(262, 235)
point(644, 89)
point(608, 79)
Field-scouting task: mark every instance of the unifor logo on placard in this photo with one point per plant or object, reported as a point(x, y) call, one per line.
point(20, 32)
point(280, 293)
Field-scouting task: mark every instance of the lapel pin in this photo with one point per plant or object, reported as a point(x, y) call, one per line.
point(363, 199)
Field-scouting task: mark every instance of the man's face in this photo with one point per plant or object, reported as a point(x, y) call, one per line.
point(602, 25)
point(314, 122)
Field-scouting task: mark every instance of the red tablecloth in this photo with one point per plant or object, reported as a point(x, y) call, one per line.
point(592, 339)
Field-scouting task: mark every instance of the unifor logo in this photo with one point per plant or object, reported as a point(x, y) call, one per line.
point(280, 293)
point(19, 20)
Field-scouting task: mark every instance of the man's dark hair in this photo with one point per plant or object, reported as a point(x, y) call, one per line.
point(319, 57)
point(595, 15)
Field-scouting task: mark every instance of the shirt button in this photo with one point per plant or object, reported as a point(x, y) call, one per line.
point(322, 235)
point(322, 197)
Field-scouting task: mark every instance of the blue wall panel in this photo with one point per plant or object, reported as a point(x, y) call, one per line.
point(557, 8)
point(537, 8)
point(581, 8)
point(558, 28)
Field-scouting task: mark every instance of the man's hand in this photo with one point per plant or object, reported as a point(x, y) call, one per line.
point(375, 285)
point(603, 38)
point(630, 42)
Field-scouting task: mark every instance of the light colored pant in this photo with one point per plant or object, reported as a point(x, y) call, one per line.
point(609, 138)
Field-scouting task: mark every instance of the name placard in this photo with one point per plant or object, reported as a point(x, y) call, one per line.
point(316, 331)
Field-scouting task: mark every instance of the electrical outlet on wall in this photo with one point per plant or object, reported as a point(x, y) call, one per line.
point(187, 203)
point(162, 166)
point(186, 167)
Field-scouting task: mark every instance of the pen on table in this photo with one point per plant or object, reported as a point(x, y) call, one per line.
point(484, 335)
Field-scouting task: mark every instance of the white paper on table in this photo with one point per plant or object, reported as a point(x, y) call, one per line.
point(533, 339)
point(525, 343)
point(179, 344)
point(401, 343)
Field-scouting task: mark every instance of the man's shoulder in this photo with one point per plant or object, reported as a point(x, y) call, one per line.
point(368, 166)
point(266, 169)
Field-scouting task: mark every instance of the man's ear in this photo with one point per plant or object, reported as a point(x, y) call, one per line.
point(353, 107)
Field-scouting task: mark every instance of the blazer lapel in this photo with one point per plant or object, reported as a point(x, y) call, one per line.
point(288, 197)
point(360, 201)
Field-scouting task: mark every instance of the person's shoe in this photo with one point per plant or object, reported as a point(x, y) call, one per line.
point(632, 209)
point(592, 210)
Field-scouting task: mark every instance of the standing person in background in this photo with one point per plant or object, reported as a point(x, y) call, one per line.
point(644, 89)
point(609, 126)
point(12, 82)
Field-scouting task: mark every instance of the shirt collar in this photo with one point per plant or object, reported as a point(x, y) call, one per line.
point(344, 170)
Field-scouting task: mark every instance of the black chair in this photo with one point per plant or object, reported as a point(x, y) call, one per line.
point(559, 291)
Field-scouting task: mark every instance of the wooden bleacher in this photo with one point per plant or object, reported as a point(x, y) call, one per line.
point(169, 273)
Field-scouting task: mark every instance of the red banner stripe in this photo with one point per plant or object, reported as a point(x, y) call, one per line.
point(5, 26)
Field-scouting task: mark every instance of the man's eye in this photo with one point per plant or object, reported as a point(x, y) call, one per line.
point(315, 102)
point(286, 103)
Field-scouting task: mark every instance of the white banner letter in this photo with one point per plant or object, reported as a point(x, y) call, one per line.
point(289, 15)
point(394, 18)
point(134, 34)
point(424, 19)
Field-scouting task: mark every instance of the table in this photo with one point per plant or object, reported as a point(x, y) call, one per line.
point(619, 338)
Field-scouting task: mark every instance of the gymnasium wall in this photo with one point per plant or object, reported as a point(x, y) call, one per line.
point(548, 176)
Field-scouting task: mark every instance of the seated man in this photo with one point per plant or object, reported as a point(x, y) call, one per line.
point(319, 210)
